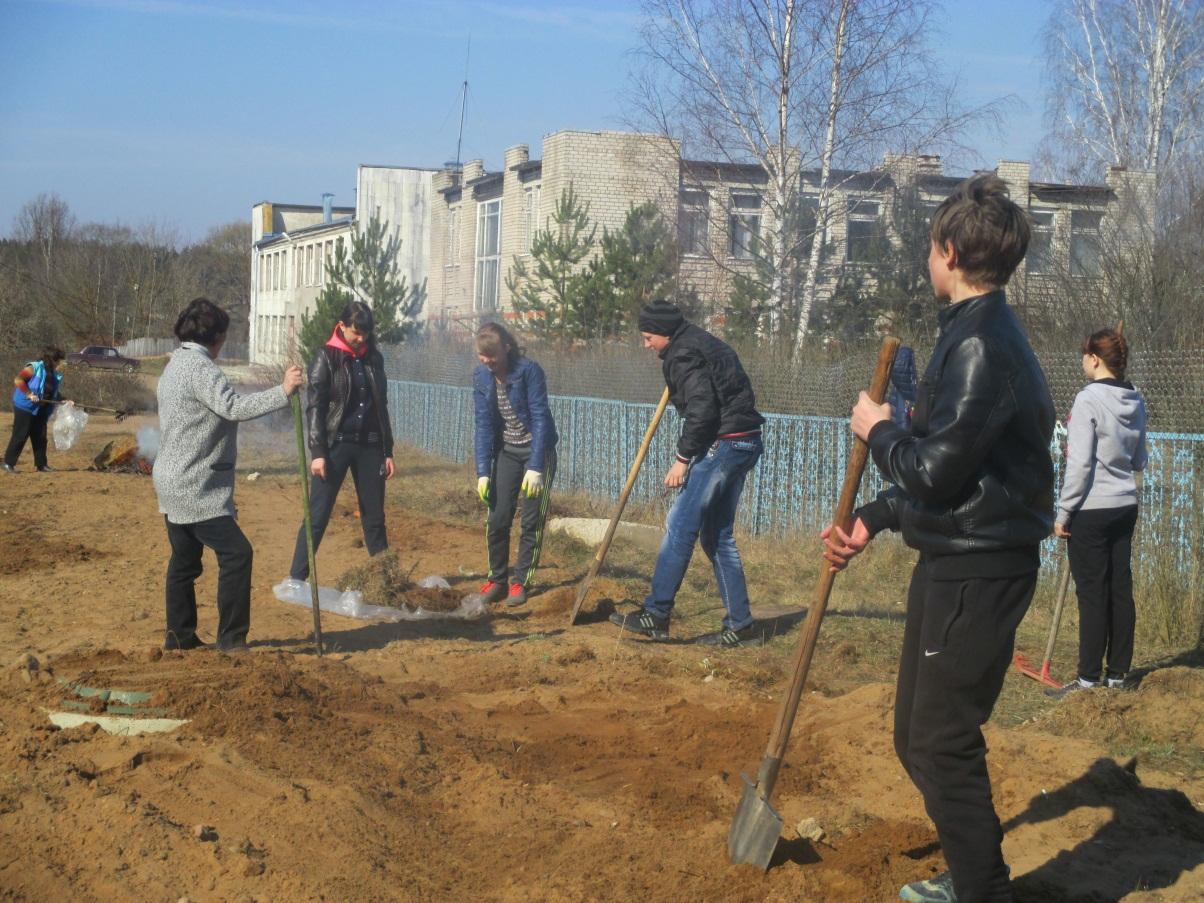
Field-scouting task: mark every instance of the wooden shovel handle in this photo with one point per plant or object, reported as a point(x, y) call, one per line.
point(604, 546)
point(823, 587)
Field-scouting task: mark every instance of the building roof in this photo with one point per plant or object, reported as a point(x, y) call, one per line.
point(305, 231)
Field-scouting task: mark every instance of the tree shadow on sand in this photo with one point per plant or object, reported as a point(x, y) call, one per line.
point(1154, 837)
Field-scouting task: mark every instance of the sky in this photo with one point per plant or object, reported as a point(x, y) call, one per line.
point(184, 113)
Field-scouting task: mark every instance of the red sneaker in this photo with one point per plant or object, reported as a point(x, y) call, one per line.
point(493, 592)
point(518, 595)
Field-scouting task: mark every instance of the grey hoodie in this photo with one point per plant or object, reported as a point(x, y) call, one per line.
point(1105, 445)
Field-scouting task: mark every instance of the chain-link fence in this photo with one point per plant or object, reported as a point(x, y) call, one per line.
point(824, 383)
point(796, 484)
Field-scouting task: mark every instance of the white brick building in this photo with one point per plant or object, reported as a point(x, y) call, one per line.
point(291, 243)
point(482, 220)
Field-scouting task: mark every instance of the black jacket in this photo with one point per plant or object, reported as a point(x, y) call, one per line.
point(329, 390)
point(974, 473)
point(709, 388)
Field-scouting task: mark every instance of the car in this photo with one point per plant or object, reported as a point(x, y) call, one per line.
point(105, 357)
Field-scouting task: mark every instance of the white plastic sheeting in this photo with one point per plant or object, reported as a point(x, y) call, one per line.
point(350, 603)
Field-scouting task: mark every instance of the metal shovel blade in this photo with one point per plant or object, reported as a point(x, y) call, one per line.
point(755, 829)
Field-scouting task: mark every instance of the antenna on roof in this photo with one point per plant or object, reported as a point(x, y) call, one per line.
point(463, 100)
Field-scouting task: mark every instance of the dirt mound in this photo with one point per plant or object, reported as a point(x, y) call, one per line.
point(599, 601)
point(1154, 712)
point(383, 582)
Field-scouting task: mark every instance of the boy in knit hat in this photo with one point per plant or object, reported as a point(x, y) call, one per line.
point(720, 443)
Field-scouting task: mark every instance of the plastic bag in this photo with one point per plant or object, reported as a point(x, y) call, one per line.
point(69, 422)
point(351, 604)
point(434, 582)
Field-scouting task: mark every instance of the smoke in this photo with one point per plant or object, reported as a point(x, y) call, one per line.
point(148, 442)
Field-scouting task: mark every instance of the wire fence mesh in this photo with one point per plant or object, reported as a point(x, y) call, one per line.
point(824, 383)
point(797, 482)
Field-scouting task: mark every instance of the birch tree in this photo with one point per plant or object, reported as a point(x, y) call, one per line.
point(799, 89)
point(1125, 84)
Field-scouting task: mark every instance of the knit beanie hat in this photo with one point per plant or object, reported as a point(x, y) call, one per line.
point(660, 318)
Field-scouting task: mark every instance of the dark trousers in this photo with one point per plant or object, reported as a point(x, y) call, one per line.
point(1100, 550)
point(957, 645)
point(367, 466)
point(32, 427)
point(233, 550)
point(508, 469)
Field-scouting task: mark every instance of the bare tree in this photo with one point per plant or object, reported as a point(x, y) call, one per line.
point(800, 88)
point(46, 223)
point(1125, 84)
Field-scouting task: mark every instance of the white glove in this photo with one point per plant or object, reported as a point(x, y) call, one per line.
point(532, 484)
point(483, 489)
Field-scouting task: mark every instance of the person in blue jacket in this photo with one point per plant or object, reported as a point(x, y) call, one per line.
point(515, 445)
point(34, 388)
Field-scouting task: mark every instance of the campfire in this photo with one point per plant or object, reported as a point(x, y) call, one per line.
point(122, 455)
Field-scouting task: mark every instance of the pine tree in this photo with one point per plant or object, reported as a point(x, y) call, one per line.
point(640, 261)
point(369, 274)
point(547, 294)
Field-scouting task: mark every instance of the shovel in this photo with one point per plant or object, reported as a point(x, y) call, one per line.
point(1022, 664)
point(309, 528)
point(756, 828)
point(614, 521)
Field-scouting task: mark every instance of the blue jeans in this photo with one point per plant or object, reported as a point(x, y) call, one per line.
point(706, 510)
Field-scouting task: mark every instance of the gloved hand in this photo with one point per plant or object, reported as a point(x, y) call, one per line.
point(483, 489)
point(532, 484)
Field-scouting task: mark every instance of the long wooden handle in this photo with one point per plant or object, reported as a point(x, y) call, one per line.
point(604, 546)
point(1063, 588)
point(780, 734)
point(298, 421)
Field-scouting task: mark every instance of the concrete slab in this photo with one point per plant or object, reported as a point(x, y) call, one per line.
point(590, 531)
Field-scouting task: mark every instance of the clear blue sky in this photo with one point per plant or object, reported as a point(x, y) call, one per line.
point(186, 112)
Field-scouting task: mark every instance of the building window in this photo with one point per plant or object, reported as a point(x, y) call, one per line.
point(489, 246)
point(862, 231)
point(692, 222)
point(1085, 243)
point(328, 259)
point(275, 272)
point(320, 263)
point(1039, 259)
point(299, 267)
point(744, 225)
point(453, 237)
point(284, 268)
point(533, 224)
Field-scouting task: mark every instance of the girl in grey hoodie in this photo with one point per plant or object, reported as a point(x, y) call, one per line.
point(1098, 510)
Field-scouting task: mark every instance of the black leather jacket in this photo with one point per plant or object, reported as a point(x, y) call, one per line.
point(974, 473)
point(328, 392)
point(709, 388)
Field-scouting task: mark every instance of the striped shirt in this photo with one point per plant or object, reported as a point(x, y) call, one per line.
point(513, 431)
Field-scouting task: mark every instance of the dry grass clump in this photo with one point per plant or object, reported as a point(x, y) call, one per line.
point(383, 582)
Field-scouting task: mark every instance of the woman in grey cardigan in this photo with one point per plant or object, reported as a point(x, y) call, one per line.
point(1097, 512)
point(199, 413)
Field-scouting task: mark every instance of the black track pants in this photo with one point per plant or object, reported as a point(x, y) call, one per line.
point(957, 645)
point(366, 463)
point(1100, 551)
point(32, 427)
point(508, 469)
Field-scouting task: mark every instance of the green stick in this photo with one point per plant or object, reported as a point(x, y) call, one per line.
point(309, 527)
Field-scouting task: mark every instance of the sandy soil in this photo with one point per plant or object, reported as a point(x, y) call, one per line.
point(507, 759)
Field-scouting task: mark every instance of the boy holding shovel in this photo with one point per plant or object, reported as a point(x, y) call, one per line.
point(720, 444)
point(973, 492)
